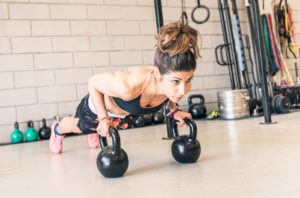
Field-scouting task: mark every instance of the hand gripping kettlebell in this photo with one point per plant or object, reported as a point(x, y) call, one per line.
point(185, 149)
point(44, 132)
point(112, 161)
point(31, 134)
point(16, 136)
point(198, 110)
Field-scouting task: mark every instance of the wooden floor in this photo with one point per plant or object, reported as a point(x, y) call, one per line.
point(239, 159)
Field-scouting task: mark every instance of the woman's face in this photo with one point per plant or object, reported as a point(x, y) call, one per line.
point(176, 84)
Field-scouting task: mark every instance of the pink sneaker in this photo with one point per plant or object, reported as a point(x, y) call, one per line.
point(55, 142)
point(93, 140)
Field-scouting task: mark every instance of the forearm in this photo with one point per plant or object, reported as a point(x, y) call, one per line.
point(171, 105)
point(97, 98)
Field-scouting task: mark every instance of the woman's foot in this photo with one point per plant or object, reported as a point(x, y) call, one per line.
point(93, 140)
point(55, 142)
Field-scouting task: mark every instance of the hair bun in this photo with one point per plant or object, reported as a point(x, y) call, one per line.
point(177, 38)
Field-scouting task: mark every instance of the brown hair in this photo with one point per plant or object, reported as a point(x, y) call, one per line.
point(176, 48)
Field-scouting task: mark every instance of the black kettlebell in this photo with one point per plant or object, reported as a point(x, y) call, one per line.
point(253, 104)
point(148, 119)
point(44, 132)
point(185, 149)
point(158, 118)
point(112, 161)
point(198, 110)
point(138, 121)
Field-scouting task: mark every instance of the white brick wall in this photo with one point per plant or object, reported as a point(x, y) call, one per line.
point(49, 28)
point(16, 62)
point(29, 44)
point(104, 12)
point(14, 97)
point(67, 108)
point(50, 48)
point(122, 27)
point(5, 45)
point(68, 12)
point(91, 59)
point(8, 115)
point(138, 13)
point(15, 28)
point(139, 42)
point(88, 27)
point(6, 81)
point(82, 90)
point(107, 43)
point(34, 78)
point(36, 112)
point(29, 11)
point(72, 76)
point(66, 44)
point(56, 94)
point(3, 11)
point(126, 58)
point(53, 60)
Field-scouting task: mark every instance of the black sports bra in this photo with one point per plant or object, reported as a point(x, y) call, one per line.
point(133, 106)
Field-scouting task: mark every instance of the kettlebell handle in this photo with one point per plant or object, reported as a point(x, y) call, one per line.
point(116, 143)
point(191, 97)
point(192, 126)
point(30, 124)
point(44, 122)
point(16, 125)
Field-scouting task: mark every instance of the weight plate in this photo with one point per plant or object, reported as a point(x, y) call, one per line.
point(278, 104)
point(273, 106)
point(284, 104)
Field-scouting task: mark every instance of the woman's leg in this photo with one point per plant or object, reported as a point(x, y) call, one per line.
point(58, 129)
point(68, 125)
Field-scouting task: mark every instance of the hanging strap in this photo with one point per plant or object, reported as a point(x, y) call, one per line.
point(184, 17)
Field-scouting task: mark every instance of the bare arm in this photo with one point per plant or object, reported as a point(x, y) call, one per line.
point(118, 84)
point(171, 105)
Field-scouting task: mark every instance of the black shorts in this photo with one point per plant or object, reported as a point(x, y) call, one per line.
point(87, 119)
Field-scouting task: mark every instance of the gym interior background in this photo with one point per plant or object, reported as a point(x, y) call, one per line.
point(49, 49)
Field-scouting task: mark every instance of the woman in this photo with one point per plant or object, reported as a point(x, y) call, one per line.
point(137, 90)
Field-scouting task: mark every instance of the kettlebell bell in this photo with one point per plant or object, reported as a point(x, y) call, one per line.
point(148, 119)
point(138, 121)
point(198, 110)
point(31, 134)
point(44, 132)
point(158, 118)
point(112, 161)
point(185, 149)
point(16, 136)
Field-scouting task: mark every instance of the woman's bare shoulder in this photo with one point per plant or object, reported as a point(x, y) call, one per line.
point(132, 80)
point(134, 71)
